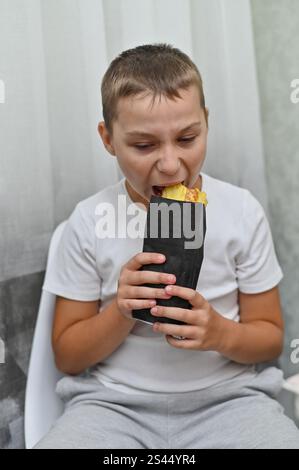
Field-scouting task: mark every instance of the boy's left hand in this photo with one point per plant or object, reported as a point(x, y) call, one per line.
point(204, 325)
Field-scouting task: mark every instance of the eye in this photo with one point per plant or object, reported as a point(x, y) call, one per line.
point(142, 146)
point(187, 139)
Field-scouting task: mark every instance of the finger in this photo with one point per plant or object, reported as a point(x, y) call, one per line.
point(140, 259)
point(181, 343)
point(182, 314)
point(137, 304)
point(150, 277)
point(188, 332)
point(194, 297)
point(133, 292)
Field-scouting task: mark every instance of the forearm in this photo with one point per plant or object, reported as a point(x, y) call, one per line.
point(250, 343)
point(90, 341)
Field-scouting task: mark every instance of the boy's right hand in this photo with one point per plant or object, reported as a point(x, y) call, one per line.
point(131, 295)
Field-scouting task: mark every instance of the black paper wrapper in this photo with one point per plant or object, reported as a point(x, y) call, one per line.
point(178, 234)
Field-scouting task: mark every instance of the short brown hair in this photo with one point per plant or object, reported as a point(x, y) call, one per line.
point(160, 69)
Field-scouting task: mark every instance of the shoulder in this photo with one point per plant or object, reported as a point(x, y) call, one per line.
point(227, 198)
point(85, 210)
point(222, 189)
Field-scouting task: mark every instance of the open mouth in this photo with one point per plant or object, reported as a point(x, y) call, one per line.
point(157, 190)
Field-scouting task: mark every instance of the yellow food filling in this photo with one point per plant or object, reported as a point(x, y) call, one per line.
point(179, 192)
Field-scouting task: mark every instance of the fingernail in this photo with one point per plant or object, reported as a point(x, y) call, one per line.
point(154, 310)
point(168, 288)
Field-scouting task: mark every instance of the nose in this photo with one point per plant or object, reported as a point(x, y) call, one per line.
point(168, 163)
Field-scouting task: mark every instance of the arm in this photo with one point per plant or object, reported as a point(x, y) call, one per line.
point(82, 337)
point(259, 335)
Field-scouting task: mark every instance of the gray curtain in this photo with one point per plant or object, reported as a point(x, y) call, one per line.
point(276, 33)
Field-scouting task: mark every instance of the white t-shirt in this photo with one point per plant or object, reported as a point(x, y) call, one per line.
point(238, 254)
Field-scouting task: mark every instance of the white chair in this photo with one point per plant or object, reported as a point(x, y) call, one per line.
point(292, 385)
point(42, 405)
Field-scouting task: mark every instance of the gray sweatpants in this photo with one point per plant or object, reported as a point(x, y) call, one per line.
point(236, 414)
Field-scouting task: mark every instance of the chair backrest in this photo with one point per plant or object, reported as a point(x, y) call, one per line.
point(42, 405)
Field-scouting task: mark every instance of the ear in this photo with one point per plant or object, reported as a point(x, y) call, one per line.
point(207, 112)
point(105, 136)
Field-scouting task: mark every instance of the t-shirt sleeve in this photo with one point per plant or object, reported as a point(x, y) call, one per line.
point(72, 270)
point(257, 266)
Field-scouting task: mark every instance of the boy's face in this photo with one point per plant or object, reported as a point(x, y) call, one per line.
point(155, 145)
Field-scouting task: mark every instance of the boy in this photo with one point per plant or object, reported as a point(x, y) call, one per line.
point(131, 385)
